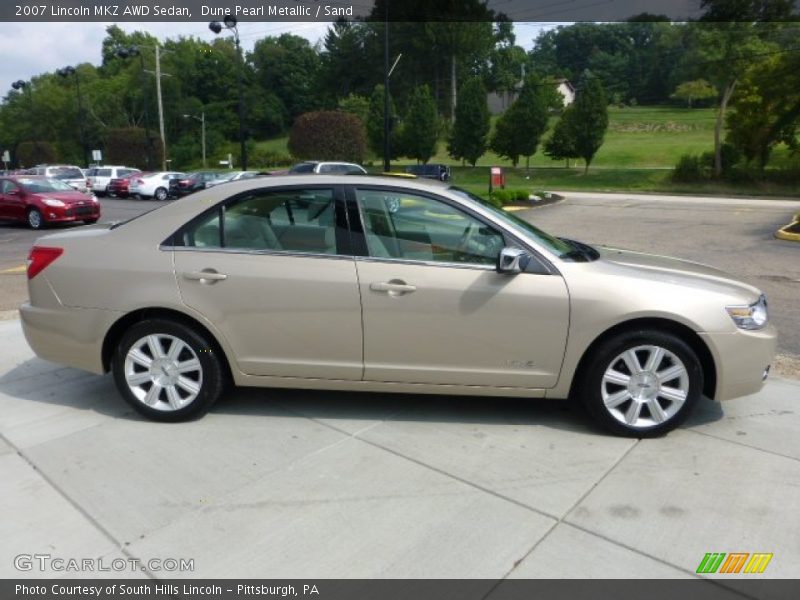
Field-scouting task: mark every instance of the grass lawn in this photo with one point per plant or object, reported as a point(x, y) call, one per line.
point(642, 145)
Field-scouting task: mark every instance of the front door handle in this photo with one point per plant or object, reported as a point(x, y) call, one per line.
point(205, 276)
point(395, 287)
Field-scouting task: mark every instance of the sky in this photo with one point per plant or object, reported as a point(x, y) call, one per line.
point(30, 49)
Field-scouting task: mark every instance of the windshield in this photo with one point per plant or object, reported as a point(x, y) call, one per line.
point(66, 173)
point(39, 186)
point(559, 247)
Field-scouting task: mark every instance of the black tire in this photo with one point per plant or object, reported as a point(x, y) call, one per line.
point(160, 194)
point(212, 378)
point(591, 385)
point(35, 218)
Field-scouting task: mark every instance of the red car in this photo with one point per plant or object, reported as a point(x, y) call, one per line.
point(41, 200)
point(120, 187)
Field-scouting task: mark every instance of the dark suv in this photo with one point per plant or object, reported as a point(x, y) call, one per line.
point(430, 171)
point(192, 182)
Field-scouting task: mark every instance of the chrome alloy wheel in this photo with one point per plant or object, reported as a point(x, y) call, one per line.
point(645, 386)
point(163, 372)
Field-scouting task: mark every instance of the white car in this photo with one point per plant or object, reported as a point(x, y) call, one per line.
point(327, 168)
point(153, 185)
point(69, 174)
point(98, 178)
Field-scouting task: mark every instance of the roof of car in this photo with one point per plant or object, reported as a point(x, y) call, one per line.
point(243, 185)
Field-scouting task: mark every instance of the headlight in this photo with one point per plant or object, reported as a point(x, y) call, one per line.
point(54, 202)
point(94, 198)
point(753, 316)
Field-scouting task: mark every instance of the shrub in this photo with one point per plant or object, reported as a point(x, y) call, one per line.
point(328, 135)
point(128, 146)
point(260, 157)
point(508, 196)
point(688, 169)
point(730, 157)
point(35, 153)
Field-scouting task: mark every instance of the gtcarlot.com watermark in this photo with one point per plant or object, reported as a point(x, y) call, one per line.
point(56, 564)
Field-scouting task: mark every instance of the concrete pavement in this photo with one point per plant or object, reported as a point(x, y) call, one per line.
point(286, 483)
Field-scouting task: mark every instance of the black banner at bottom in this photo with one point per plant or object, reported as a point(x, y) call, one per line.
point(390, 589)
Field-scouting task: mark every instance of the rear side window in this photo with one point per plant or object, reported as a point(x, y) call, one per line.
point(102, 173)
point(302, 168)
point(288, 220)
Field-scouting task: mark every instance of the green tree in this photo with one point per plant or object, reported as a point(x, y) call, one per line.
point(375, 124)
point(505, 140)
point(420, 126)
point(471, 128)
point(698, 89)
point(588, 118)
point(561, 144)
point(356, 105)
point(519, 129)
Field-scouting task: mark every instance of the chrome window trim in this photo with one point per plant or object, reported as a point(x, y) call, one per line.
point(427, 263)
point(267, 252)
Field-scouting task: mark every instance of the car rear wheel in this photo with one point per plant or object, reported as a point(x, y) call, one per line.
point(35, 218)
point(641, 383)
point(167, 371)
point(160, 194)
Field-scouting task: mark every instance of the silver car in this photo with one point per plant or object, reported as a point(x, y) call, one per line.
point(383, 285)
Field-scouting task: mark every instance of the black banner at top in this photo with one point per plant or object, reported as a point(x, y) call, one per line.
point(332, 10)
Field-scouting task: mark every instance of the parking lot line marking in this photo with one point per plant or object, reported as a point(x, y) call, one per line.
point(13, 270)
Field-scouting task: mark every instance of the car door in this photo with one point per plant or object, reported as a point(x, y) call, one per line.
point(272, 269)
point(12, 202)
point(435, 311)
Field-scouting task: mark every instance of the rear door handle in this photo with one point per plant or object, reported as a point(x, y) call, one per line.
point(395, 287)
point(205, 276)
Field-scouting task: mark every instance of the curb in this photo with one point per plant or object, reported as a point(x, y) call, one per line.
point(552, 199)
point(784, 234)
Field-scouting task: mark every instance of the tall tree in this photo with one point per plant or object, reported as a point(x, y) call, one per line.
point(471, 128)
point(375, 124)
point(534, 100)
point(588, 118)
point(420, 131)
point(561, 143)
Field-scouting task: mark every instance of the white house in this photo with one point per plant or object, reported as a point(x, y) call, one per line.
point(500, 101)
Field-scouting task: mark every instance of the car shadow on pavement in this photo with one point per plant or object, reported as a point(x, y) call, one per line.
point(32, 380)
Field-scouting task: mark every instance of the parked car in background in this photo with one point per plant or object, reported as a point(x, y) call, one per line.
point(233, 176)
point(327, 168)
point(98, 178)
point(40, 200)
point(193, 182)
point(430, 171)
point(120, 186)
point(153, 185)
point(69, 174)
point(388, 285)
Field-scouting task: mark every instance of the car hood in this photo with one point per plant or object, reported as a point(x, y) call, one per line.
point(66, 197)
point(678, 271)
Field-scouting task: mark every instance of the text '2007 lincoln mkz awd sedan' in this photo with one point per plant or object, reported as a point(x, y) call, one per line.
point(376, 284)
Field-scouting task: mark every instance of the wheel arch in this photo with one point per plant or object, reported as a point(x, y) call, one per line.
point(680, 330)
point(118, 329)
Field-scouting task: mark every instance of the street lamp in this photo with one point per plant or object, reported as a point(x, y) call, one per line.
point(202, 119)
point(229, 22)
point(125, 53)
point(72, 71)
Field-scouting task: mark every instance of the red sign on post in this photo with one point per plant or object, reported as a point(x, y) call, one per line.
point(497, 178)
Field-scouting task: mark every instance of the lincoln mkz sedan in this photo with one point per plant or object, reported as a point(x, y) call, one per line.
point(382, 285)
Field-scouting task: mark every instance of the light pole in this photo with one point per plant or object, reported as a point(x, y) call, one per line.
point(229, 22)
point(128, 53)
point(202, 119)
point(66, 72)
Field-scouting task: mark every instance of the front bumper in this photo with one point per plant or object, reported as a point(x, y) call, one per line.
point(70, 214)
point(742, 360)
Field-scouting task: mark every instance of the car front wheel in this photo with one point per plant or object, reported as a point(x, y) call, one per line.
point(167, 371)
point(35, 218)
point(160, 194)
point(641, 383)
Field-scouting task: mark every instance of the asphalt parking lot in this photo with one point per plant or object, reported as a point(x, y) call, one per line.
point(287, 483)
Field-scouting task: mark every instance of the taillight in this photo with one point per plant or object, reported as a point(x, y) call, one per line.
point(40, 258)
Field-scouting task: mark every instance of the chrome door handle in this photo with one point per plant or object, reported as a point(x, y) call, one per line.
point(395, 287)
point(205, 276)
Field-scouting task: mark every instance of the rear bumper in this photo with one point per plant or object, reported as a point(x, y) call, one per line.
point(67, 336)
point(742, 360)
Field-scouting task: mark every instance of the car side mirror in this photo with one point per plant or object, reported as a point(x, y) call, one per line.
point(512, 260)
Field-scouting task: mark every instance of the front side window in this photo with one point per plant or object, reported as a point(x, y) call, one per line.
point(407, 226)
point(289, 220)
